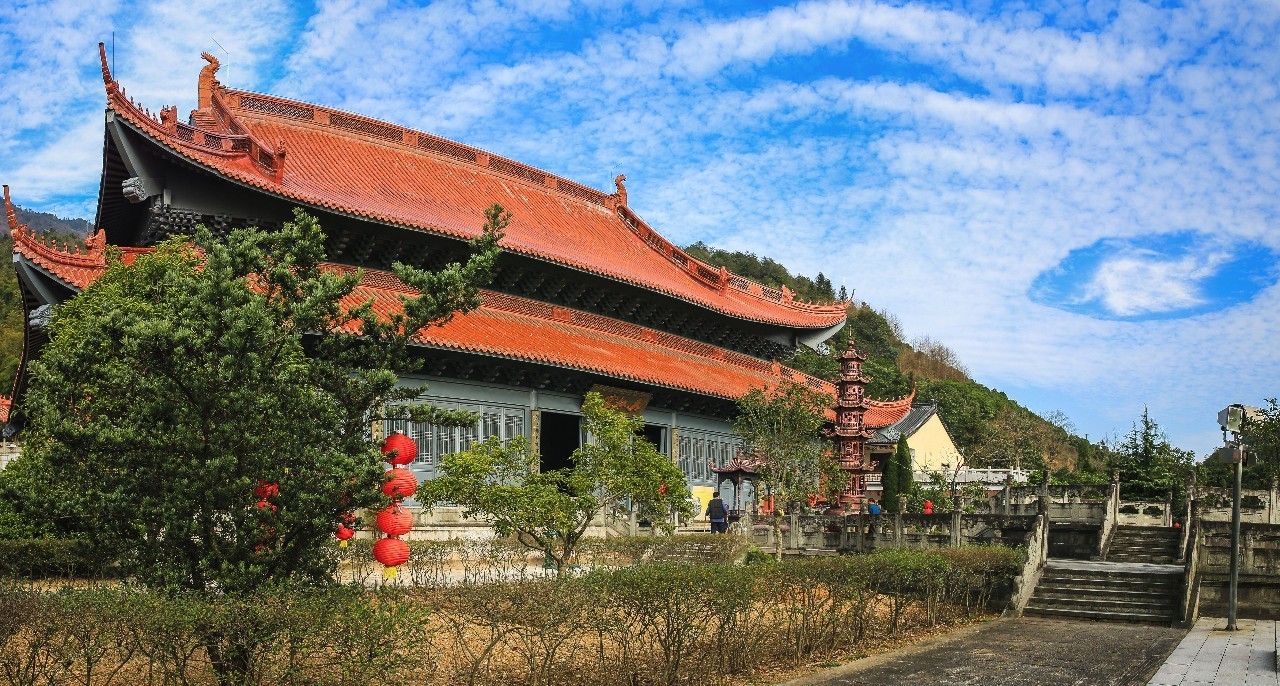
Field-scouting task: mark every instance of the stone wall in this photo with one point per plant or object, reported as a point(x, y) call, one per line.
point(1256, 506)
point(821, 534)
point(1259, 587)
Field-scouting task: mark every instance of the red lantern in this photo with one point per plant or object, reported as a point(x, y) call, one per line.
point(394, 520)
point(347, 518)
point(399, 483)
point(405, 449)
point(343, 533)
point(267, 489)
point(391, 552)
point(266, 505)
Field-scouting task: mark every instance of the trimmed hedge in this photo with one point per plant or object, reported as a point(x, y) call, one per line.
point(35, 558)
point(649, 623)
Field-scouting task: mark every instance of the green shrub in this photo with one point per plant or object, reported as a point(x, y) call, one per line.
point(648, 623)
point(1153, 511)
point(756, 556)
point(35, 558)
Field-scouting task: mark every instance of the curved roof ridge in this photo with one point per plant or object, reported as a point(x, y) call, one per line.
point(379, 131)
point(236, 149)
point(901, 401)
point(677, 362)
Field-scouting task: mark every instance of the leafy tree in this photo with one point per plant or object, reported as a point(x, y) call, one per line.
point(783, 429)
point(551, 511)
point(1262, 440)
point(173, 386)
point(965, 407)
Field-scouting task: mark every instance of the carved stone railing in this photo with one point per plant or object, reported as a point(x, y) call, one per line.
point(864, 532)
point(1257, 506)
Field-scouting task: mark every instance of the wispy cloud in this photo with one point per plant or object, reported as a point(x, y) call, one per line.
point(1145, 282)
point(936, 158)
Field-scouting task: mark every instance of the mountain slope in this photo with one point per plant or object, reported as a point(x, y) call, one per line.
point(989, 428)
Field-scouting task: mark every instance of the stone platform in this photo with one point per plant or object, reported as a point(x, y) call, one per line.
point(1212, 655)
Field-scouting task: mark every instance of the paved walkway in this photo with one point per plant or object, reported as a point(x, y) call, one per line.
point(1212, 655)
point(1017, 652)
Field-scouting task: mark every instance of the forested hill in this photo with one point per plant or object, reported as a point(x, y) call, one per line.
point(991, 429)
point(46, 222)
point(52, 226)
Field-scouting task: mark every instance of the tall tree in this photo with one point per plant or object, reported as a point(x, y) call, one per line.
point(782, 428)
point(1262, 440)
point(898, 480)
point(551, 511)
point(173, 386)
point(1149, 465)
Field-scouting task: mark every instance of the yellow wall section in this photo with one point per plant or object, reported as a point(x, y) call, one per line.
point(704, 495)
point(932, 446)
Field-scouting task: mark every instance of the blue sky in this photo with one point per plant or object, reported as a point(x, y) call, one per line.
point(1080, 198)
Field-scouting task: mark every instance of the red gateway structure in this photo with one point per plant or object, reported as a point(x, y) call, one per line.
point(585, 296)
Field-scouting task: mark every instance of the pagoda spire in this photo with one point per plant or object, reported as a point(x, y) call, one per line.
point(850, 433)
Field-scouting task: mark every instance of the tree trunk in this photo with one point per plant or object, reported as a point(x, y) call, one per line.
point(777, 533)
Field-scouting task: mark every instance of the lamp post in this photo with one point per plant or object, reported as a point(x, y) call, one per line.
point(1230, 419)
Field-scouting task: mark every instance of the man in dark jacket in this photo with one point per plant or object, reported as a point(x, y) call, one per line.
point(718, 514)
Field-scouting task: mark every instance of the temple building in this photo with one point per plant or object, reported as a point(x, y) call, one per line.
point(586, 295)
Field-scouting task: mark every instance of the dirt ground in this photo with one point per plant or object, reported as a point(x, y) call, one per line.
point(1016, 652)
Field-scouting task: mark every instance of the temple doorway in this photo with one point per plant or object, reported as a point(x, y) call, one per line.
point(561, 434)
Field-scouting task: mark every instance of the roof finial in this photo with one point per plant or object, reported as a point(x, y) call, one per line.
point(208, 80)
point(10, 214)
point(620, 181)
point(107, 79)
point(95, 241)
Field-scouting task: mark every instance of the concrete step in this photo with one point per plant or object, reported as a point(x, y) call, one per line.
point(1108, 592)
point(1139, 605)
point(1092, 578)
point(1144, 558)
point(1157, 618)
point(1085, 592)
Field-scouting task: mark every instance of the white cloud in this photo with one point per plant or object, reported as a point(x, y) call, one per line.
point(1145, 282)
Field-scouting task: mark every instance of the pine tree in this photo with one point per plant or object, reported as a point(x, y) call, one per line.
point(906, 476)
point(178, 383)
point(844, 294)
point(889, 485)
point(898, 479)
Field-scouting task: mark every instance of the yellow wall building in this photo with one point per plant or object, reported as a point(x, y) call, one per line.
point(932, 448)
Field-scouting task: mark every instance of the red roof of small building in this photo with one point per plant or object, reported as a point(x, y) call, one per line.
point(519, 329)
point(6, 402)
point(380, 171)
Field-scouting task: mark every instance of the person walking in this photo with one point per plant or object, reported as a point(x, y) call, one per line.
point(873, 507)
point(718, 514)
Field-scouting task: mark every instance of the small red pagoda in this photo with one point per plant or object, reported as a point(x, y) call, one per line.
point(857, 418)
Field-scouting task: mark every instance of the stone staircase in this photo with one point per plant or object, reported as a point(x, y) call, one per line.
point(1108, 591)
point(1145, 544)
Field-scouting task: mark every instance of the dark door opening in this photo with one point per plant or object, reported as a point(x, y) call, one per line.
point(561, 434)
point(656, 435)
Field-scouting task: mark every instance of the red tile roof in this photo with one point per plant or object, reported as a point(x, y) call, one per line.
point(387, 173)
point(519, 329)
